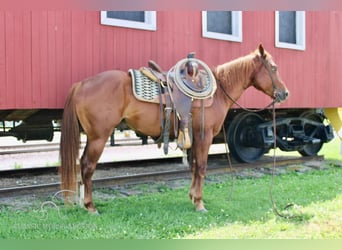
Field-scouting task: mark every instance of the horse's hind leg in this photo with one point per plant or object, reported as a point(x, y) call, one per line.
point(89, 159)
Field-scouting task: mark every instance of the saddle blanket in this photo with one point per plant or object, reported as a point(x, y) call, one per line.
point(146, 90)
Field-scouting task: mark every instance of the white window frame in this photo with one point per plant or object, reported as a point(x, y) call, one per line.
point(300, 32)
point(236, 28)
point(149, 24)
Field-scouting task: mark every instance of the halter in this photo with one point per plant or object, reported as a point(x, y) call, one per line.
point(264, 62)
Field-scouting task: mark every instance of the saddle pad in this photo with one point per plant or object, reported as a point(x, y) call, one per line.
point(144, 89)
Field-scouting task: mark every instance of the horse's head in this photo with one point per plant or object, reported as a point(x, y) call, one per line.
point(266, 76)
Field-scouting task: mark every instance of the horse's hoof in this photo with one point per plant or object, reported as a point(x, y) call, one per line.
point(94, 213)
point(202, 210)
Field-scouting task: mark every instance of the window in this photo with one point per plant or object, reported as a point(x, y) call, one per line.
point(130, 19)
point(223, 25)
point(290, 29)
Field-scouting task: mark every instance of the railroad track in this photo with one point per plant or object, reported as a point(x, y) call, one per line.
point(217, 165)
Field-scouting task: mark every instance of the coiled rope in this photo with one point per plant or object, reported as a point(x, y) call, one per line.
point(175, 75)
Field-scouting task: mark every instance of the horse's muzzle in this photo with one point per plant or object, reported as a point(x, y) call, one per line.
point(281, 95)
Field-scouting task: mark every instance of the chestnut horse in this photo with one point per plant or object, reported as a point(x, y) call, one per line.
point(98, 104)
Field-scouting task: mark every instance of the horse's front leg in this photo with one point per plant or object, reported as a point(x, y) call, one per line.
point(200, 150)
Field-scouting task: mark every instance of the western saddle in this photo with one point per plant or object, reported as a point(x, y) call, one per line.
point(179, 87)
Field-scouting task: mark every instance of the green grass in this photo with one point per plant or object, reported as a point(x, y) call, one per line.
point(170, 214)
point(317, 196)
point(319, 220)
point(332, 150)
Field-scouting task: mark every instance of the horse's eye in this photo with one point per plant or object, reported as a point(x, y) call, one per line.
point(274, 68)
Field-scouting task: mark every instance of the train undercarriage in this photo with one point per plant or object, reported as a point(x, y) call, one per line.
point(249, 135)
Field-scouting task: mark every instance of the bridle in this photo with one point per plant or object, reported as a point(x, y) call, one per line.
point(272, 104)
point(269, 71)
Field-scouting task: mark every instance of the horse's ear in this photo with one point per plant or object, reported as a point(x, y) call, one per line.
point(262, 50)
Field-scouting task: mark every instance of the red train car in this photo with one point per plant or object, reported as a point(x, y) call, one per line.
point(43, 52)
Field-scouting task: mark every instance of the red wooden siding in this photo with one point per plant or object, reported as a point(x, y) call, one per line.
point(43, 52)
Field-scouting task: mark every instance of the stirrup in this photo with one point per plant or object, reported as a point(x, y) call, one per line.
point(184, 141)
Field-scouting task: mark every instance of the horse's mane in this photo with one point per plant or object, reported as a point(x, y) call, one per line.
point(237, 71)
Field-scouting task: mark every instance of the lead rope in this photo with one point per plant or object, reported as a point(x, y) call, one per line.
point(274, 205)
point(229, 163)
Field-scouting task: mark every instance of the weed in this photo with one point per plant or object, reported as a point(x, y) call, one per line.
point(17, 166)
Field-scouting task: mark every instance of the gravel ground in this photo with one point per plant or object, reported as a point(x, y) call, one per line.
point(31, 179)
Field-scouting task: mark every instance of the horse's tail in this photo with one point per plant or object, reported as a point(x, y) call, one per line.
point(69, 148)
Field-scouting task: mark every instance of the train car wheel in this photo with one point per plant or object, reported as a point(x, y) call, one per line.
point(240, 136)
point(311, 149)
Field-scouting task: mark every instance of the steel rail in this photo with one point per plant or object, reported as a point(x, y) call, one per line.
point(217, 167)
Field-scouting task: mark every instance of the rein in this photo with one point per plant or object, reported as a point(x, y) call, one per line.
point(272, 104)
point(240, 106)
point(274, 205)
point(275, 208)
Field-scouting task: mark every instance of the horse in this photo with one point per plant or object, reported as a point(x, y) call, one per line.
point(96, 105)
